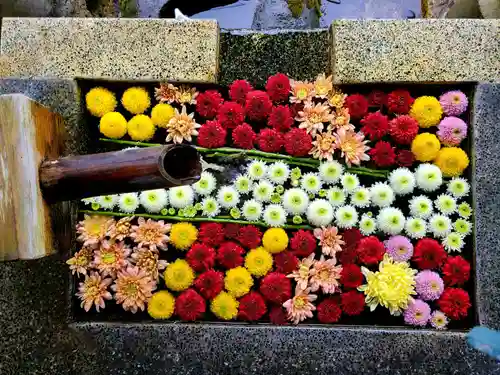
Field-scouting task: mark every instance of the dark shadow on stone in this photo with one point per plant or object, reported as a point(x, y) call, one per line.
point(189, 8)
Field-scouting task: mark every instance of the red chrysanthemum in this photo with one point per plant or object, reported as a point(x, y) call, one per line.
point(212, 135)
point(211, 234)
point(352, 302)
point(230, 115)
point(456, 271)
point(278, 87)
point(231, 231)
point(405, 158)
point(201, 257)
point(270, 140)
point(252, 307)
point(329, 310)
point(286, 262)
point(370, 250)
point(428, 254)
point(403, 129)
point(210, 283)
point(249, 236)
point(377, 99)
point(190, 306)
point(281, 118)
point(238, 90)
point(375, 125)
point(277, 316)
point(357, 105)
point(454, 302)
point(303, 243)
point(298, 142)
point(351, 237)
point(230, 255)
point(351, 276)
point(399, 101)
point(258, 105)
point(383, 154)
point(276, 287)
point(244, 136)
point(208, 103)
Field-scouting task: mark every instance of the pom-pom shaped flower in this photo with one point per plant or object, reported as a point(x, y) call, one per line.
point(421, 206)
point(403, 129)
point(238, 90)
point(128, 202)
point(224, 306)
point(275, 240)
point(425, 147)
point(399, 248)
point(258, 105)
point(286, 262)
point(113, 125)
point(446, 204)
point(274, 215)
point(298, 142)
point(456, 271)
point(263, 191)
point(329, 239)
point(357, 105)
point(300, 307)
point(351, 276)
point(330, 171)
point(281, 118)
point(153, 200)
point(204, 186)
point(322, 86)
point(252, 210)
point(352, 146)
point(190, 306)
point(181, 127)
point(367, 225)
point(178, 275)
point(329, 311)
point(210, 283)
point(302, 243)
point(94, 291)
point(252, 307)
point(244, 136)
point(107, 201)
point(453, 242)
point(201, 257)
point(370, 250)
point(429, 177)
point(278, 87)
point(383, 154)
point(381, 194)
point(270, 140)
point(100, 101)
point(418, 313)
point(428, 254)
point(161, 114)
point(211, 234)
point(325, 275)
point(402, 181)
point(243, 184)
point(238, 281)
point(312, 117)
point(352, 302)
point(349, 182)
point(311, 183)
point(92, 229)
point(415, 227)
point(183, 235)
point(276, 288)
point(295, 201)
point(231, 230)
point(258, 262)
point(228, 197)
point(301, 91)
point(249, 236)
point(464, 210)
point(452, 161)
point(257, 170)
point(405, 158)
point(455, 303)
point(454, 103)
point(230, 255)
point(351, 237)
point(133, 287)
point(278, 172)
point(377, 99)
point(345, 217)
point(375, 125)
point(361, 197)
point(438, 320)
point(212, 135)
point(452, 131)
point(136, 100)
point(208, 103)
point(440, 225)
point(140, 128)
point(429, 285)
point(462, 227)
point(391, 220)
point(458, 187)
point(336, 196)
point(320, 213)
point(161, 305)
point(399, 101)
point(230, 115)
point(427, 111)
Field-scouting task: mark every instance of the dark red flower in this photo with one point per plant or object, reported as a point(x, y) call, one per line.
point(230, 115)
point(456, 271)
point(298, 142)
point(212, 135)
point(399, 101)
point(286, 262)
point(258, 105)
point(428, 254)
point(351, 237)
point(370, 250)
point(252, 307)
point(278, 87)
point(231, 231)
point(201, 257)
point(211, 234)
point(352, 302)
point(454, 302)
point(351, 276)
point(303, 243)
point(270, 140)
point(405, 158)
point(377, 98)
point(210, 283)
point(357, 104)
point(238, 90)
point(383, 154)
point(329, 311)
point(403, 129)
point(276, 287)
point(244, 136)
point(230, 255)
point(277, 316)
point(281, 118)
point(208, 103)
point(249, 236)
point(375, 125)
point(190, 306)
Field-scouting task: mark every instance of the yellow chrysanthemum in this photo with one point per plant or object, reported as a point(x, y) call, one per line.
point(183, 235)
point(238, 281)
point(452, 161)
point(161, 114)
point(100, 101)
point(136, 100)
point(391, 286)
point(425, 147)
point(259, 262)
point(113, 125)
point(275, 240)
point(178, 275)
point(427, 111)
point(161, 305)
point(224, 306)
point(141, 128)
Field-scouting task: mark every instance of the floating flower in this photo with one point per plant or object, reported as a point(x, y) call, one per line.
point(452, 131)
point(381, 194)
point(428, 254)
point(458, 187)
point(190, 306)
point(429, 285)
point(351, 276)
point(230, 255)
point(210, 207)
point(329, 239)
point(453, 242)
point(274, 215)
point(210, 283)
point(230, 115)
point(446, 204)
point(113, 125)
point(428, 177)
point(81, 261)
point(311, 183)
point(462, 227)
point(312, 117)
point(224, 306)
point(178, 275)
point(330, 171)
point(201, 257)
point(295, 201)
point(438, 320)
point(383, 154)
point(456, 271)
point(345, 217)
point(399, 101)
point(320, 213)
point(302, 243)
point(375, 125)
point(298, 142)
point(367, 225)
point(238, 281)
point(100, 101)
point(455, 303)
point(301, 91)
point(421, 206)
point(133, 288)
point(403, 129)
point(300, 307)
point(440, 225)
point(181, 127)
point(357, 104)
point(452, 161)
point(249, 236)
point(92, 229)
point(204, 186)
point(211, 135)
point(418, 313)
point(258, 106)
point(228, 197)
point(128, 202)
point(391, 220)
point(252, 307)
point(270, 140)
point(161, 114)
point(258, 262)
point(399, 248)
point(183, 235)
point(454, 103)
point(136, 100)
point(252, 210)
point(336, 196)
point(154, 200)
point(238, 90)
point(427, 111)
point(208, 103)
point(166, 93)
point(186, 95)
point(329, 311)
point(425, 147)
point(275, 240)
point(323, 146)
point(325, 275)
point(402, 181)
point(415, 227)
point(94, 291)
point(322, 86)
point(370, 250)
point(464, 210)
point(286, 262)
point(352, 302)
point(161, 305)
point(405, 158)
point(278, 87)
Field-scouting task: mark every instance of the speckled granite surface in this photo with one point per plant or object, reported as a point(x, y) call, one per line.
point(110, 48)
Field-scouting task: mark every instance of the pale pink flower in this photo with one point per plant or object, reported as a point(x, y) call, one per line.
point(341, 120)
point(81, 261)
point(300, 307)
point(329, 239)
point(148, 260)
point(166, 93)
point(326, 276)
point(111, 257)
point(93, 291)
point(301, 91)
point(181, 127)
point(133, 288)
point(93, 229)
point(151, 233)
point(302, 274)
point(322, 86)
point(352, 146)
point(323, 146)
point(312, 117)
point(120, 229)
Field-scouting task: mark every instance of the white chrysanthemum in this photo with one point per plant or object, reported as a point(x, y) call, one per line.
point(464, 210)
point(361, 197)
point(252, 210)
point(429, 177)
point(295, 201)
point(458, 187)
point(336, 196)
point(107, 201)
point(382, 194)
point(206, 184)
point(346, 216)
point(320, 213)
point(331, 171)
point(181, 196)
point(391, 220)
point(210, 207)
point(278, 172)
point(453, 242)
point(243, 184)
point(228, 197)
point(402, 181)
point(311, 183)
point(440, 225)
point(128, 202)
point(446, 204)
point(90, 200)
point(257, 169)
point(263, 190)
point(367, 225)
point(349, 182)
point(415, 227)
point(462, 227)
point(154, 200)
point(421, 207)
point(274, 215)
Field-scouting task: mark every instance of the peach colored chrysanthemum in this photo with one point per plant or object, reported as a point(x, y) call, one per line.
point(301, 91)
point(133, 288)
point(93, 229)
point(81, 261)
point(325, 275)
point(151, 233)
point(341, 120)
point(181, 127)
point(336, 99)
point(323, 146)
point(166, 93)
point(111, 257)
point(322, 86)
point(303, 272)
point(148, 260)
point(120, 229)
point(300, 307)
point(312, 117)
point(187, 95)
point(93, 291)
point(329, 239)
point(352, 146)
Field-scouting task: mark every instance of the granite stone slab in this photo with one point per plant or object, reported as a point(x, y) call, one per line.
point(110, 48)
point(432, 50)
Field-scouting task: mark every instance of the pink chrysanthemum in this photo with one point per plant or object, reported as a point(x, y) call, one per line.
point(418, 313)
point(92, 229)
point(330, 240)
point(150, 233)
point(81, 261)
point(454, 103)
point(399, 248)
point(451, 131)
point(148, 260)
point(300, 307)
point(111, 257)
point(352, 146)
point(93, 291)
point(120, 229)
point(303, 272)
point(133, 288)
point(439, 320)
point(325, 275)
point(429, 285)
